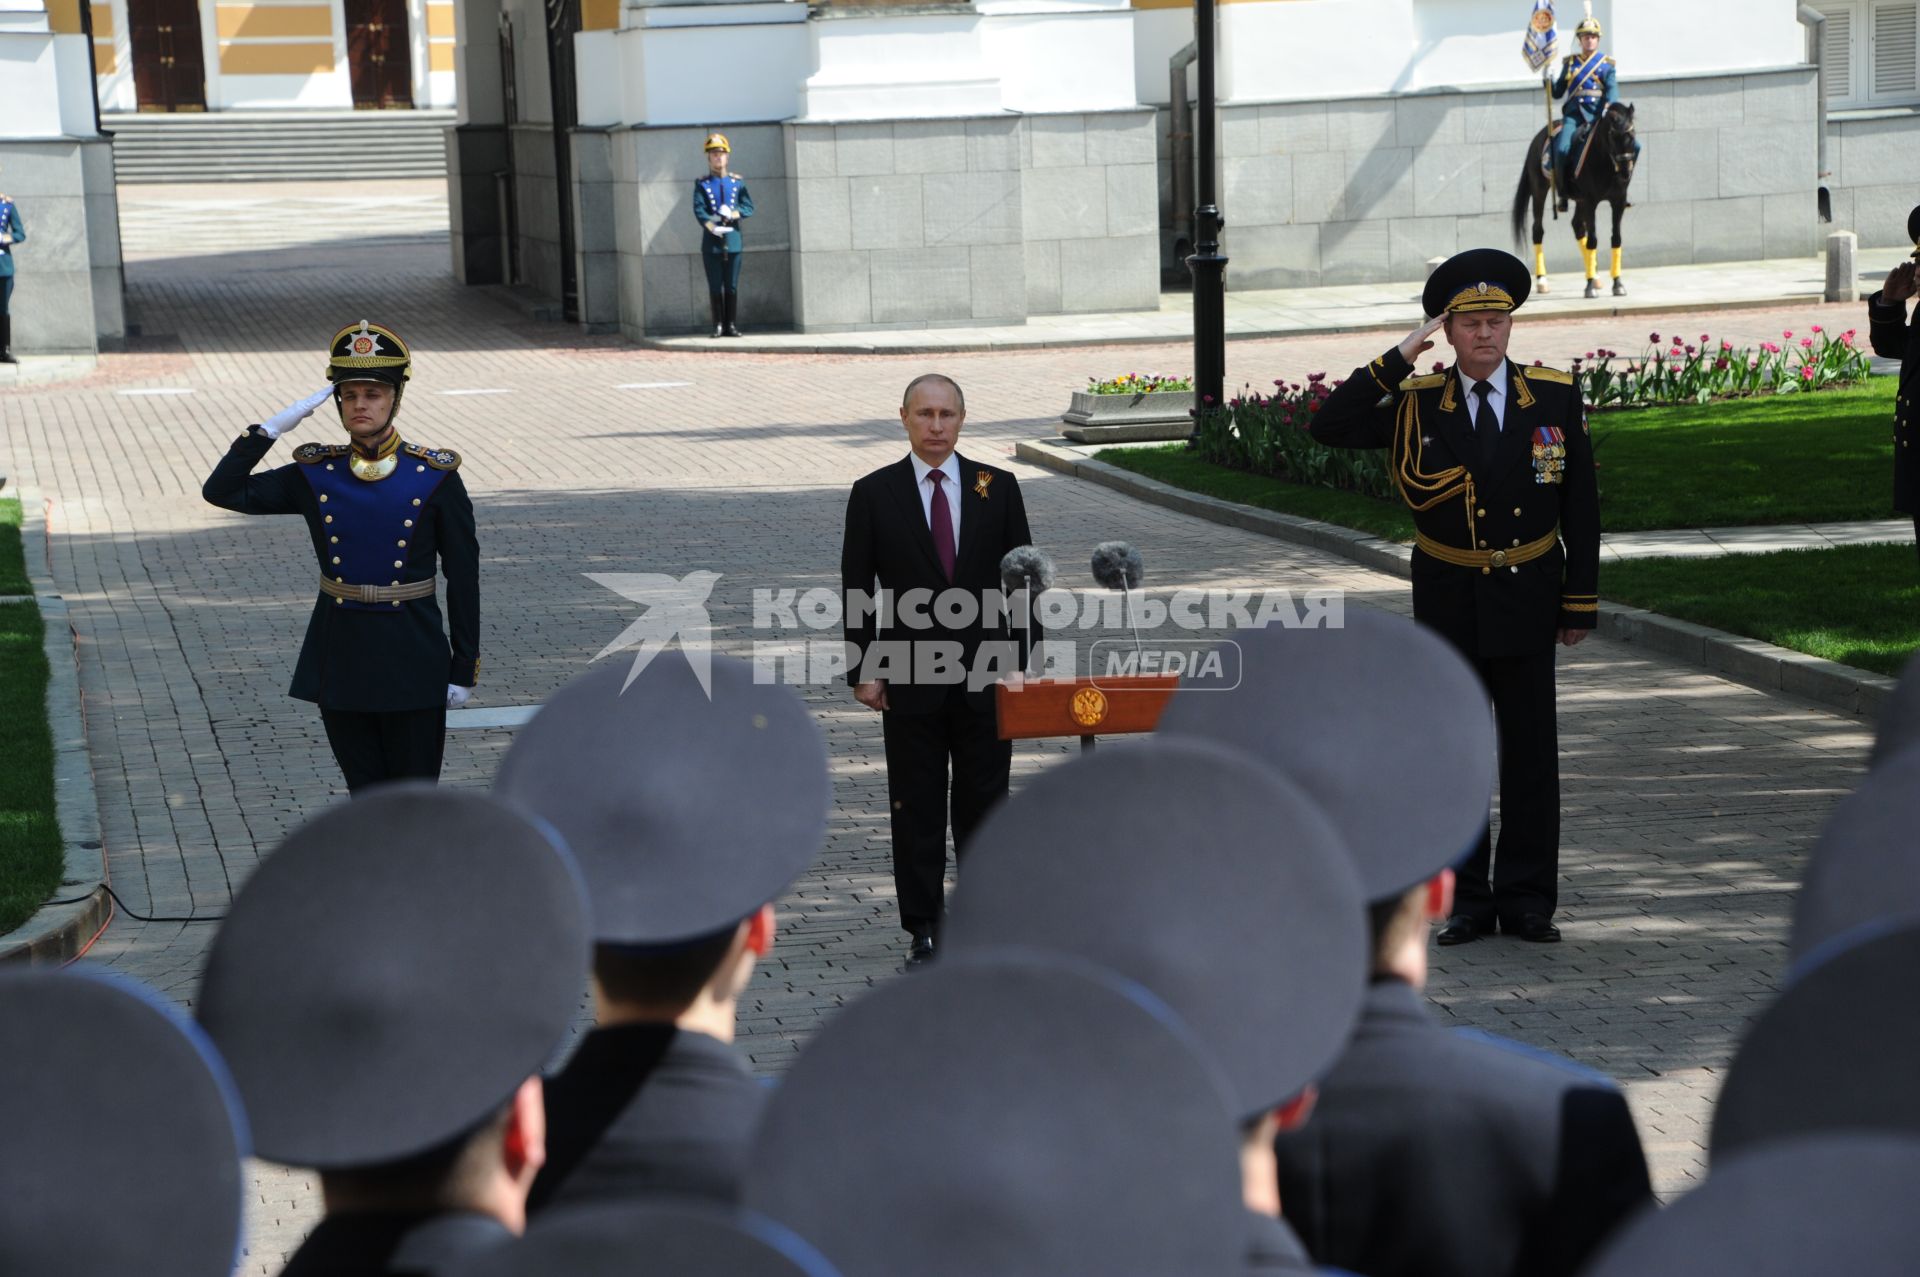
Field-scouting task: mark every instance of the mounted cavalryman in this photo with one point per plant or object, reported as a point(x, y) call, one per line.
point(383, 513)
point(1589, 83)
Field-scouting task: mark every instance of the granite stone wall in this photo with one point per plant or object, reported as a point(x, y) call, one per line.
point(1873, 157)
point(68, 294)
point(1367, 190)
point(662, 284)
point(889, 224)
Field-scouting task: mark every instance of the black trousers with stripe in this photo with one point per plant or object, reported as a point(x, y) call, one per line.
point(395, 745)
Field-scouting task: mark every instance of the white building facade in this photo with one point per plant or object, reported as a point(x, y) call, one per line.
point(956, 163)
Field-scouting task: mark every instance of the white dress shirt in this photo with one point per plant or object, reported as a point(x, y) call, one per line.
point(951, 490)
point(1498, 398)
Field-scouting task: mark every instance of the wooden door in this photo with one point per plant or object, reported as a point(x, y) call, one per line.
point(379, 62)
point(168, 72)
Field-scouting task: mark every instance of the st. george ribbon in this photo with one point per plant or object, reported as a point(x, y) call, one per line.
point(1117, 566)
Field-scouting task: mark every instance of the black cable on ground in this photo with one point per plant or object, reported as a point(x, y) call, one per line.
point(137, 916)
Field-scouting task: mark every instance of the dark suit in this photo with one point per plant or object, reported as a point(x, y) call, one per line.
point(378, 671)
point(1435, 1153)
point(929, 722)
point(375, 1245)
point(1502, 618)
point(647, 1109)
point(1893, 337)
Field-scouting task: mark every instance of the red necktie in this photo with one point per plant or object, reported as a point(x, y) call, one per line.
point(942, 520)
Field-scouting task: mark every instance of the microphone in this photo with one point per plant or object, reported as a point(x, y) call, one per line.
point(1026, 568)
point(1118, 566)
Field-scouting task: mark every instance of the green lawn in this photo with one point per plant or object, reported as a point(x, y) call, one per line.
point(13, 563)
point(1858, 604)
point(30, 856)
point(1818, 458)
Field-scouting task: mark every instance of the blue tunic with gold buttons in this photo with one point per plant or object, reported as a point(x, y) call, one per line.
point(397, 530)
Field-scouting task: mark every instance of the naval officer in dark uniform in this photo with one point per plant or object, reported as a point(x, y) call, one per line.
point(1431, 1152)
point(386, 989)
point(1495, 463)
point(382, 513)
point(721, 202)
point(645, 782)
point(1894, 337)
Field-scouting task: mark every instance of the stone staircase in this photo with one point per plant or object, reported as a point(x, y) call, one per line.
point(277, 146)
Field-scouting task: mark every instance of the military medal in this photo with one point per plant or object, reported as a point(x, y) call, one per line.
point(1549, 454)
point(980, 483)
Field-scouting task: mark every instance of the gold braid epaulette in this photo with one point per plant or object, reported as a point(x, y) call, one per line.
point(1420, 489)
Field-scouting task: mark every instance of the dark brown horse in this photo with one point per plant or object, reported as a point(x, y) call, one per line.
point(1602, 179)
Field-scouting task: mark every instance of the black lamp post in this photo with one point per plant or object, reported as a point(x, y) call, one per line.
point(1208, 266)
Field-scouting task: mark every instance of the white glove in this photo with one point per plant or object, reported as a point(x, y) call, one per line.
point(719, 230)
point(458, 696)
point(287, 418)
point(726, 211)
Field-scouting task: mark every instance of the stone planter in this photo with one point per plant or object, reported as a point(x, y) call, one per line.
point(1160, 415)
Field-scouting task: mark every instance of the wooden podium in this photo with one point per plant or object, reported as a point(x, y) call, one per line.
point(1083, 707)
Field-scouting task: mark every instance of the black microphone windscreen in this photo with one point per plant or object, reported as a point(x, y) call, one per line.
point(1025, 567)
point(1117, 565)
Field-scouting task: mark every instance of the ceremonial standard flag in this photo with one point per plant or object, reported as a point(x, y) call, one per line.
point(1543, 41)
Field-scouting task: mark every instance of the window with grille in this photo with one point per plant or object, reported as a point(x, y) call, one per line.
point(1872, 52)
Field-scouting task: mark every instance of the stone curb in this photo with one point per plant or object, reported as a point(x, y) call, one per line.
point(57, 933)
point(931, 344)
point(1744, 660)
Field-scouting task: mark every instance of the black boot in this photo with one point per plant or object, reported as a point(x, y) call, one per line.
point(6, 340)
point(733, 311)
point(714, 300)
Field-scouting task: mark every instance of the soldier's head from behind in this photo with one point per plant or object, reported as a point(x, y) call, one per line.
point(1000, 1117)
point(123, 1132)
point(1212, 882)
point(1389, 730)
point(1477, 292)
point(387, 988)
point(369, 366)
point(689, 809)
point(933, 410)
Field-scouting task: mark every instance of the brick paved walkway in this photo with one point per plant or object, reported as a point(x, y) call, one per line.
point(1688, 799)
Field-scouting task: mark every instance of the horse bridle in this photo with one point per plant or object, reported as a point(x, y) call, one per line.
point(1621, 156)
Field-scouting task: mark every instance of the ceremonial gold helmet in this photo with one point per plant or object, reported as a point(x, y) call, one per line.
point(717, 142)
point(369, 352)
point(1589, 25)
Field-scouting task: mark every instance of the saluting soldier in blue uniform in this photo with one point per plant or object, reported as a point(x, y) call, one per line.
point(720, 203)
point(1588, 83)
point(381, 511)
point(12, 231)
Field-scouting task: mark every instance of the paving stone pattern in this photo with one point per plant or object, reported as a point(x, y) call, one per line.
point(1689, 800)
